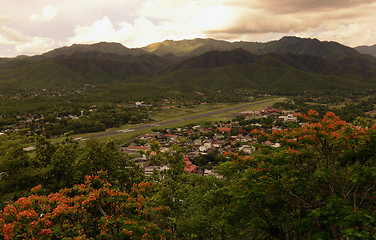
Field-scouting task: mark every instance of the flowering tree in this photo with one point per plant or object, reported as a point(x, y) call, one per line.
point(321, 183)
point(95, 209)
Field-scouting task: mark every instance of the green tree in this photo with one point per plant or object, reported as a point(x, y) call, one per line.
point(44, 150)
point(97, 156)
point(319, 184)
point(62, 163)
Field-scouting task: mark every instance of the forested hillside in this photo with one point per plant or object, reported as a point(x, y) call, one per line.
point(319, 184)
point(289, 65)
point(265, 174)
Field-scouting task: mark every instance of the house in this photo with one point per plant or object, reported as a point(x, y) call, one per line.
point(164, 168)
point(268, 143)
point(143, 162)
point(189, 166)
point(193, 154)
point(219, 137)
point(134, 149)
point(239, 138)
point(173, 138)
point(217, 144)
point(190, 131)
point(166, 149)
point(148, 171)
point(247, 150)
point(250, 113)
point(288, 118)
point(138, 104)
point(27, 149)
point(270, 111)
point(197, 141)
point(224, 129)
point(276, 145)
point(197, 127)
point(208, 172)
point(205, 147)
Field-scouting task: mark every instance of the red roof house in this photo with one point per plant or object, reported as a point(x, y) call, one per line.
point(189, 166)
point(224, 129)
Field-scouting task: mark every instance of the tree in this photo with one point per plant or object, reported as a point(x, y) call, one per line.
point(44, 151)
point(17, 171)
point(62, 163)
point(94, 209)
point(97, 156)
point(319, 184)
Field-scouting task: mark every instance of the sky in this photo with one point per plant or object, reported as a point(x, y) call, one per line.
point(37, 26)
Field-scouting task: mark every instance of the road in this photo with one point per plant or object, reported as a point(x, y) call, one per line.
point(163, 123)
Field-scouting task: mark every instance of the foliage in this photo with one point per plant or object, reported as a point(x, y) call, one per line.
point(94, 209)
point(319, 184)
point(61, 165)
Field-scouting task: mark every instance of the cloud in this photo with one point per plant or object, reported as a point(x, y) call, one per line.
point(9, 36)
point(48, 13)
point(188, 16)
point(137, 34)
point(232, 20)
point(100, 30)
point(353, 34)
point(36, 45)
point(295, 6)
point(271, 19)
point(137, 23)
point(264, 20)
point(14, 42)
point(156, 21)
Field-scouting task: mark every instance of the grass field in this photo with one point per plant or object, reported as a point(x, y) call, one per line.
point(177, 113)
point(229, 115)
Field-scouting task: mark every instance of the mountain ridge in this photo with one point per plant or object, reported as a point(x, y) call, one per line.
point(286, 65)
point(104, 47)
point(371, 50)
point(290, 44)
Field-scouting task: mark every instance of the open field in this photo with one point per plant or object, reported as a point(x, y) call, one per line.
point(231, 114)
point(179, 112)
point(178, 118)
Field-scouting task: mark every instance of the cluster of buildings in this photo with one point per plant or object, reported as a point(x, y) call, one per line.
point(199, 140)
point(32, 123)
point(29, 121)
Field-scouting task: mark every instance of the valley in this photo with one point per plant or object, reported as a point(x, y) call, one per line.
point(185, 120)
point(191, 139)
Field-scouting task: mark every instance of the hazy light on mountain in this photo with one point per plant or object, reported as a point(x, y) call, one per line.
point(37, 26)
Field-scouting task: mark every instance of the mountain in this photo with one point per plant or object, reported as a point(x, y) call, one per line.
point(331, 51)
point(185, 48)
point(216, 58)
point(288, 65)
point(110, 67)
point(73, 67)
point(102, 47)
point(371, 50)
point(270, 72)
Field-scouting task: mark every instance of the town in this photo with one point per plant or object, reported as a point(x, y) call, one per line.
point(205, 144)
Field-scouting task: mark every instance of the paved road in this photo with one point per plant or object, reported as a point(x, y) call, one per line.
point(163, 123)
